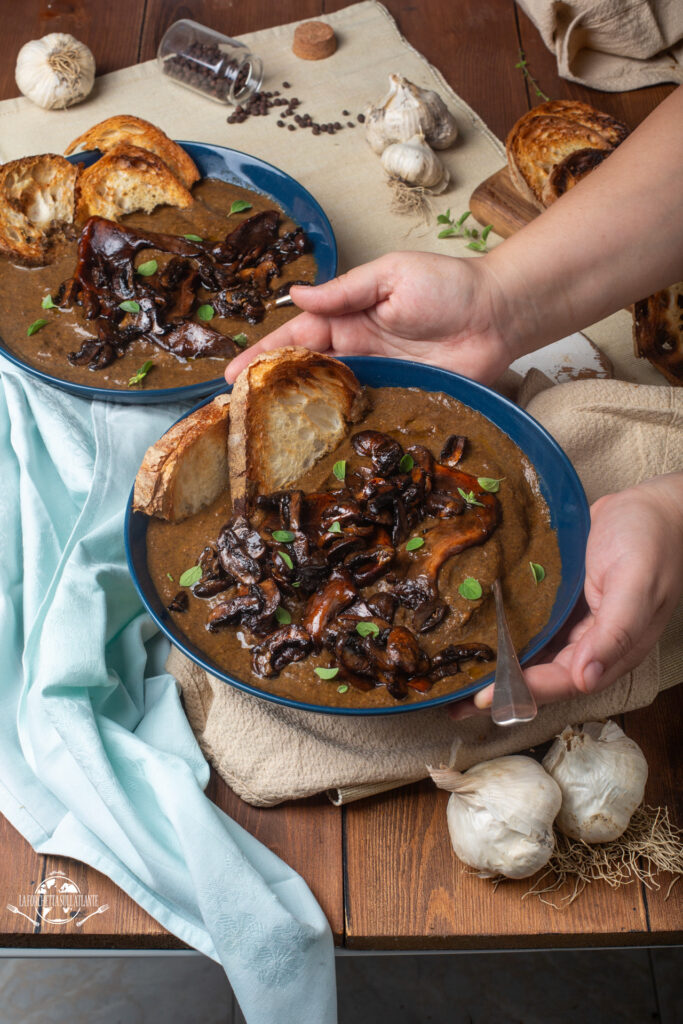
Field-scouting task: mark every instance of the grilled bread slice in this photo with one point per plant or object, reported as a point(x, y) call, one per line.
point(126, 179)
point(37, 196)
point(658, 331)
point(188, 467)
point(136, 132)
point(290, 407)
point(556, 144)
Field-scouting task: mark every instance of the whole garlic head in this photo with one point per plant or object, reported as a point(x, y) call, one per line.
point(405, 111)
point(415, 163)
point(56, 71)
point(602, 775)
point(500, 815)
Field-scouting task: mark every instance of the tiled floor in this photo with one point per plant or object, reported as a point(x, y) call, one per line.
point(592, 987)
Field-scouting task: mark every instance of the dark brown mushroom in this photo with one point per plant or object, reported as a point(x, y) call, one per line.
point(286, 645)
point(384, 452)
point(253, 606)
point(327, 602)
point(447, 661)
point(241, 550)
point(453, 450)
point(180, 602)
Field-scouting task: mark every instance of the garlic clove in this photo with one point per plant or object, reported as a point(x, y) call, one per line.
point(406, 110)
point(414, 163)
point(56, 71)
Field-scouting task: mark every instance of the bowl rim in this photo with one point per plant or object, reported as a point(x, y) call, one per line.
point(183, 392)
point(535, 645)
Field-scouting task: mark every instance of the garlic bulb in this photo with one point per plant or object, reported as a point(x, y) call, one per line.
point(415, 163)
point(602, 775)
point(55, 71)
point(406, 110)
point(500, 815)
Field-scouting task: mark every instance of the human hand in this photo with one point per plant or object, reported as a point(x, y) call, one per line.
point(432, 309)
point(634, 579)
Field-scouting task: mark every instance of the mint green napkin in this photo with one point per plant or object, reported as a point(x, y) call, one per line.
point(97, 760)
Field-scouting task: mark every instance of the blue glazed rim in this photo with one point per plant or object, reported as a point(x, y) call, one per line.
point(560, 487)
point(239, 169)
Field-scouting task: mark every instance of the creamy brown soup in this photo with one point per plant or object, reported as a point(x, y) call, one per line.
point(22, 290)
point(524, 535)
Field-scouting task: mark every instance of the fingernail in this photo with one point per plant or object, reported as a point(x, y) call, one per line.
point(484, 698)
point(592, 674)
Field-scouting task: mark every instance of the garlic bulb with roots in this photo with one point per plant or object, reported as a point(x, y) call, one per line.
point(56, 71)
point(414, 163)
point(602, 775)
point(406, 110)
point(500, 815)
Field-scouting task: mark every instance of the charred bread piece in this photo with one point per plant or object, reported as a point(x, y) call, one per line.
point(136, 132)
point(124, 180)
point(658, 331)
point(556, 144)
point(188, 467)
point(37, 197)
point(290, 407)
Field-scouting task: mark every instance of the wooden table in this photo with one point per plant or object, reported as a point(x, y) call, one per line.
point(382, 868)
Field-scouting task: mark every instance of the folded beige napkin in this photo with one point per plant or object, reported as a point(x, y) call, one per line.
point(616, 434)
point(613, 45)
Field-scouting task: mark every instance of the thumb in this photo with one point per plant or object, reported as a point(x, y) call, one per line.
point(354, 291)
point(607, 646)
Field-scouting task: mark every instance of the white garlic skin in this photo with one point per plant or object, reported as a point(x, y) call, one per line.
point(56, 71)
point(416, 164)
point(500, 815)
point(602, 775)
point(405, 111)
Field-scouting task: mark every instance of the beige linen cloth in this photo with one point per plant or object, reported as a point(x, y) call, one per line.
point(613, 45)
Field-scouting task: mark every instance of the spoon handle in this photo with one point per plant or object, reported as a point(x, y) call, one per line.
point(513, 701)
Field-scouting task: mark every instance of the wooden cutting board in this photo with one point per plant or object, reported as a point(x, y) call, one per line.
point(496, 201)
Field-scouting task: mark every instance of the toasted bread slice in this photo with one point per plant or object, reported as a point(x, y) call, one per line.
point(658, 331)
point(136, 132)
point(556, 144)
point(37, 195)
point(126, 179)
point(289, 409)
point(188, 467)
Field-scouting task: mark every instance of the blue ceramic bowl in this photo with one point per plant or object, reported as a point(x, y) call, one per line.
point(560, 487)
point(238, 169)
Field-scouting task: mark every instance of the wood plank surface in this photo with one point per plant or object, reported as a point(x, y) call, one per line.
point(497, 202)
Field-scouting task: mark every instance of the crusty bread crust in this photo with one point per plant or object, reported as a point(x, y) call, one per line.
point(124, 180)
point(658, 331)
point(188, 467)
point(137, 132)
point(290, 407)
point(553, 146)
point(37, 197)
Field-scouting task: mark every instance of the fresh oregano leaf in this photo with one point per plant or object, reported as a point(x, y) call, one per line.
point(447, 233)
point(283, 536)
point(334, 527)
point(286, 559)
point(326, 673)
point(283, 616)
point(367, 629)
point(342, 688)
point(141, 373)
point(47, 303)
point(468, 496)
point(339, 469)
point(205, 313)
point(148, 268)
point(239, 206)
point(489, 483)
point(414, 543)
point(191, 576)
point(537, 571)
point(241, 339)
point(470, 589)
point(462, 218)
point(406, 463)
point(169, 577)
point(36, 326)
point(130, 306)
point(193, 238)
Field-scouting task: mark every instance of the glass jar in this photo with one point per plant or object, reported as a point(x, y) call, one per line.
point(209, 63)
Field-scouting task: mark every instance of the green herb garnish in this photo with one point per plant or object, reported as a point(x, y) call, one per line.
point(326, 673)
point(523, 66)
point(489, 483)
point(286, 559)
point(36, 326)
point(191, 576)
point(470, 589)
point(455, 229)
point(468, 496)
point(343, 688)
point(339, 469)
point(367, 629)
point(334, 527)
point(283, 616)
point(296, 583)
point(47, 303)
point(205, 313)
point(130, 306)
point(193, 238)
point(239, 206)
point(283, 536)
point(537, 571)
point(241, 339)
point(148, 268)
point(414, 543)
point(406, 463)
point(169, 576)
point(141, 373)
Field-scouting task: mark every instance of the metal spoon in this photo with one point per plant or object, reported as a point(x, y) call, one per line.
point(284, 300)
point(513, 701)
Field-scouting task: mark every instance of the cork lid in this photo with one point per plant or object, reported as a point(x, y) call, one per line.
point(314, 40)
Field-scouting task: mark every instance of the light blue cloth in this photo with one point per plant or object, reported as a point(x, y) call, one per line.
point(97, 760)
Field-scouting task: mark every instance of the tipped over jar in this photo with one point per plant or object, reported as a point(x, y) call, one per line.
point(209, 63)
